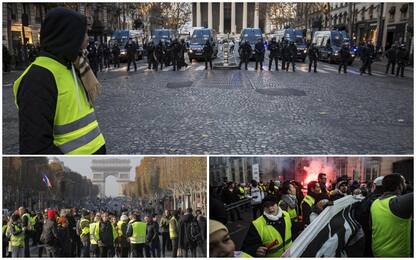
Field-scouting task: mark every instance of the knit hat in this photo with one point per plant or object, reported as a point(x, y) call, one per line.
point(215, 226)
point(51, 214)
point(269, 201)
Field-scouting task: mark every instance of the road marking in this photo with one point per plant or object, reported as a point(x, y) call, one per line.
point(168, 68)
point(142, 67)
point(201, 67)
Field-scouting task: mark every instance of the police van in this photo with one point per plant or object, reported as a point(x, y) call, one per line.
point(197, 41)
point(164, 35)
point(329, 44)
point(296, 36)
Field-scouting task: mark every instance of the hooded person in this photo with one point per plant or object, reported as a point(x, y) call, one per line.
point(55, 94)
point(270, 234)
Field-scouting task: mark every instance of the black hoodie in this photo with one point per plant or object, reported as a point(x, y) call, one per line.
point(61, 37)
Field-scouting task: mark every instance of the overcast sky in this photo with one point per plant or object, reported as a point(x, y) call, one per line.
point(82, 166)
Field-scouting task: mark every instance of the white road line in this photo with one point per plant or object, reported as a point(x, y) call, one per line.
point(142, 67)
point(201, 67)
point(168, 68)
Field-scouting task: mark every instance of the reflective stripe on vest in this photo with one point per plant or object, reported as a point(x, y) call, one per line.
point(85, 231)
point(115, 233)
point(269, 234)
point(93, 238)
point(390, 233)
point(139, 232)
point(172, 227)
point(17, 240)
point(76, 129)
point(29, 221)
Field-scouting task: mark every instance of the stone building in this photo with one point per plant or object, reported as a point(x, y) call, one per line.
point(230, 17)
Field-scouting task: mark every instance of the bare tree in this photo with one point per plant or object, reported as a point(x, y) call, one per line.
point(281, 14)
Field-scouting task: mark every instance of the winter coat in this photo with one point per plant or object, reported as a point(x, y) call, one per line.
point(185, 241)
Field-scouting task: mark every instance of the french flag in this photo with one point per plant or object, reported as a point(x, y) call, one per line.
point(45, 179)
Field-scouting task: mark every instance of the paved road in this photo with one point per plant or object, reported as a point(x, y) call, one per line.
point(246, 112)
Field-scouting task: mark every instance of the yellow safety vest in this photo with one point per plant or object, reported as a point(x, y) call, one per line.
point(242, 193)
point(29, 221)
point(76, 129)
point(390, 233)
point(269, 234)
point(292, 212)
point(4, 229)
point(119, 229)
point(309, 200)
point(172, 228)
point(97, 231)
point(93, 232)
point(85, 231)
point(115, 232)
point(139, 233)
point(17, 240)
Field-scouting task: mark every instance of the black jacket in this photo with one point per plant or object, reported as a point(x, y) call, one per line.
point(245, 50)
point(274, 49)
point(185, 241)
point(313, 53)
point(208, 50)
point(259, 51)
point(106, 233)
point(345, 53)
point(131, 50)
point(62, 33)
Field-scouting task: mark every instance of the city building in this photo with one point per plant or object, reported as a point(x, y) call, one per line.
point(305, 169)
point(170, 182)
point(230, 17)
point(398, 24)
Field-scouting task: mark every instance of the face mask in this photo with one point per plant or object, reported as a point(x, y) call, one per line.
point(273, 217)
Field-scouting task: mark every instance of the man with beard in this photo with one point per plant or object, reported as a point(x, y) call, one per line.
point(270, 234)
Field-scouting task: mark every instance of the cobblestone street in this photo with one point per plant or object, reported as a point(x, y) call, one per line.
point(246, 112)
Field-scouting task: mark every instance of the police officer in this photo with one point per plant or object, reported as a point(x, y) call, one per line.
point(93, 56)
point(136, 231)
point(366, 58)
point(245, 52)
point(131, 54)
point(116, 55)
point(151, 56)
point(270, 234)
point(313, 55)
point(207, 52)
point(259, 53)
point(160, 53)
point(402, 57)
point(291, 52)
point(345, 57)
point(391, 56)
point(174, 52)
point(391, 219)
point(100, 54)
point(107, 54)
point(182, 50)
point(274, 53)
point(284, 53)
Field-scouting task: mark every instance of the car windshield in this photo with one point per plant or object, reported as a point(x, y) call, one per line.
point(200, 36)
point(299, 40)
point(337, 39)
point(251, 35)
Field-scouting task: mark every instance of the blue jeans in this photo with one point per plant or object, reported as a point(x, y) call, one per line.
point(18, 251)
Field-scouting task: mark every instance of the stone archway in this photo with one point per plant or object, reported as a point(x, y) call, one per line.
point(102, 168)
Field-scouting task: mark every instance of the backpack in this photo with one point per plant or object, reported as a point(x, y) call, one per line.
point(194, 232)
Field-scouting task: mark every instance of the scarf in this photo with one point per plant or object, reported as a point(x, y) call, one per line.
point(90, 82)
point(273, 217)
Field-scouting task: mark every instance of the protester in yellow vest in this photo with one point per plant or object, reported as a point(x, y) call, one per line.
point(17, 236)
point(270, 234)
point(391, 219)
point(55, 94)
point(173, 232)
point(94, 235)
point(83, 230)
point(136, 232)
point(27, 229)
point(220, 242)
point(122, 245)
point(314, 189)
point(105, 233)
